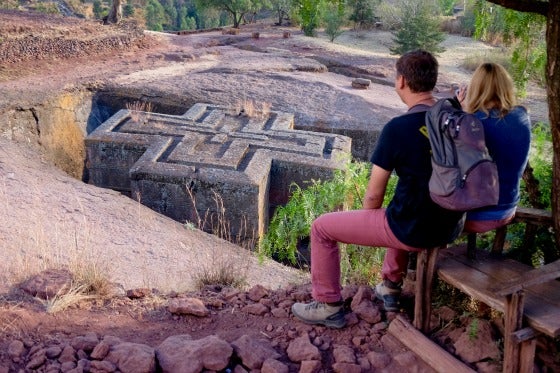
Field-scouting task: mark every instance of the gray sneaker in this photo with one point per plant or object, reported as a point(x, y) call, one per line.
point(320, 313)
point(390, 294)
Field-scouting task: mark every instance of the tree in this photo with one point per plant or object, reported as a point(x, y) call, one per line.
point(115, 13)
point(155, 15)
point(363, 12)
point(551, 10)
point(310, 13)
point(334, 20)
point(523, 32)
point(236, 8)
point(282, 9)
point(419, 28)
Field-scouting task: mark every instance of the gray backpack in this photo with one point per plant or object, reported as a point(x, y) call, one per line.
point(464, 176)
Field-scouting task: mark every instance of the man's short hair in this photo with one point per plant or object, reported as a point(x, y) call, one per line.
point(420, 70)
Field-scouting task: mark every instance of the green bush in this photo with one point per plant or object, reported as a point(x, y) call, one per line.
point(310, 12)
point(290, 225)
point(419, 28)
point(333, 20)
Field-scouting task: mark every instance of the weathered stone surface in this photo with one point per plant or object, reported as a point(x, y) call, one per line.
point(257, 292)
point(253, 352)
point(86, 342)
point(301, 349)
point(344, 354)
point(188, 306)
point(310, 366)
point(363, 306)
point(477, 342)
point(180, 353)
point(360, 83)
point(132, 357)
point(379, 360)
point(16, 350)
point(274, 366)
point(47, 284)
point(226, 164)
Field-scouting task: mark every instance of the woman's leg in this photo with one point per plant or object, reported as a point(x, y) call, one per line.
point(360, 227)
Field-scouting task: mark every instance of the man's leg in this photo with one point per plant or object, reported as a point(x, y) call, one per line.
point(360, 227)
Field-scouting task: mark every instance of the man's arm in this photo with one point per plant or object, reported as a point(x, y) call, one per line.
point(376, 188)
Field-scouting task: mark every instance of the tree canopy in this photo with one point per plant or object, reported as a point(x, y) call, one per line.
point(236, 8)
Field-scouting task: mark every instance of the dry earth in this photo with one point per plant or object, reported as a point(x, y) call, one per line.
point(49, 217)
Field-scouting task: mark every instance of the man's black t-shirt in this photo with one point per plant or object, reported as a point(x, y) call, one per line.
point(414, 218)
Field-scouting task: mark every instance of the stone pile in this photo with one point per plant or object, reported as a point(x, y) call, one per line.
point(61, 40)
point(274, 342)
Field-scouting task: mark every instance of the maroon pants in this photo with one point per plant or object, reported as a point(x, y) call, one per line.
point(360, 227)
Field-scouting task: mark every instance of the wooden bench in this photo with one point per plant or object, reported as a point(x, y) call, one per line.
point(529, 298)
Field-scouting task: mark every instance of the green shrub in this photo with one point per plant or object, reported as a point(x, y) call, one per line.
point(290, 225)
point(419, 28)
point(333, 20)
point(309, 12)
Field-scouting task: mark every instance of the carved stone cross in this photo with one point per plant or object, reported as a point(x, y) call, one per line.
point(221, 169)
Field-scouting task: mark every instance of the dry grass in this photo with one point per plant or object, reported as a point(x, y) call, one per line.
point(9, 317)
point(76, 294)
point(252, 109)
point(137, 110)
point(222, 268)
point(471, 62)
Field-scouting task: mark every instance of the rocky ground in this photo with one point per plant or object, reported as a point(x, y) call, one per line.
point(138, 329)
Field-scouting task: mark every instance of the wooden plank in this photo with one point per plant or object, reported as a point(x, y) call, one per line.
point(542, 306)
point(533, 277)
point(470, 282)
point(533, 216)
point(525, 334)
point(425, 348)
point(504, 270)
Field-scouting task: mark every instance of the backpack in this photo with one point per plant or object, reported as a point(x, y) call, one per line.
point(464, 176)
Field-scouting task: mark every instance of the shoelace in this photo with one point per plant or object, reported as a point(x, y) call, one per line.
point(314, 305)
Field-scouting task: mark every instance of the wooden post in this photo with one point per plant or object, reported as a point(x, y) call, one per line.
point(500, 238)
point(527, 356)
point(513, 319)
point(425, 268)
point(471, 246)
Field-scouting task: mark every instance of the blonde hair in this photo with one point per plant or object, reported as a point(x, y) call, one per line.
point(491, 87)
